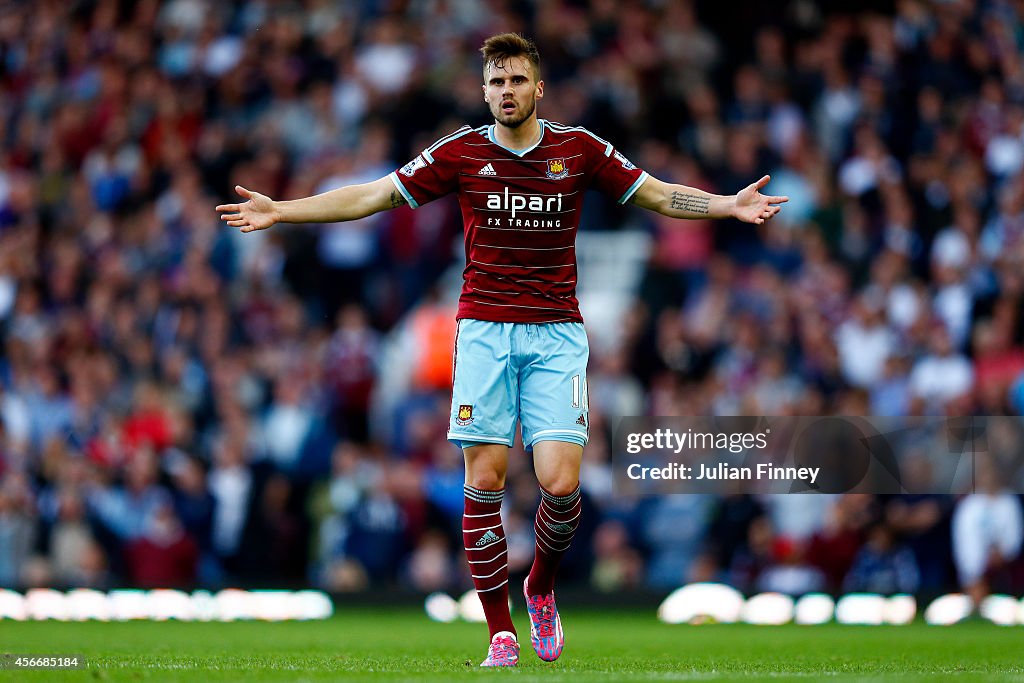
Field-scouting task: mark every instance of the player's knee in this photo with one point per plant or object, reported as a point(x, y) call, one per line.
point(562, 486)
point(485, 480)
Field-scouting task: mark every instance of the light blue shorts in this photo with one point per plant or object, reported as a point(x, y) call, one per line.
point(533, 373)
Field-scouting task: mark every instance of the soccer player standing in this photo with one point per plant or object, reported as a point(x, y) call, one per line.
point(521, 351)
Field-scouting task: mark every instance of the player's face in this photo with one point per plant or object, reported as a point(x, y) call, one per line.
point(511, 91)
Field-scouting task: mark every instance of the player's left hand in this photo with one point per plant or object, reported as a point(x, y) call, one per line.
point(753, 207)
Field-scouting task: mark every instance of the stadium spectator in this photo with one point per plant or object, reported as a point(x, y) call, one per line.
point(671, 531)
point(233, 486)
point(988, 529)
point(882, 565)
point(617, 565)
point(941, 376)
point(17, 530)
point(70, 539)
point(834, 548)
point(287, 424)
point(194, 505)
point(164, 556)
point(865, 343)
point(921, 522)
point(124, 511)
point(430, 565)
point(730, 527)
point(754, 555)
point(350, 364)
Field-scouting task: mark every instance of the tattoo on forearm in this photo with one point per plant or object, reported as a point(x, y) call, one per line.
point(694, 203)
point(396, 199)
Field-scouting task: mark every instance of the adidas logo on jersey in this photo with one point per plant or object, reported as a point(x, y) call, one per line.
point(487, 170)
point(487, 539)
point(582, 420)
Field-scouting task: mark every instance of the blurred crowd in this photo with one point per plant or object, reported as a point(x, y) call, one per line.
point(181, 404)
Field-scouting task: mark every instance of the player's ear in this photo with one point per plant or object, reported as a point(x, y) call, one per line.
point(540, 89)
point(483, 88)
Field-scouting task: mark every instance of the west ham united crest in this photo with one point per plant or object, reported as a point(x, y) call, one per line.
point(556, 169)
point(465, 415)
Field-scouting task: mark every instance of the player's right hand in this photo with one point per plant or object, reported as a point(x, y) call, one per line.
point(258, 213)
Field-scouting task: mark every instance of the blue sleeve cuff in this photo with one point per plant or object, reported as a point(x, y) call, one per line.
point(401, 188)
point(632, 188)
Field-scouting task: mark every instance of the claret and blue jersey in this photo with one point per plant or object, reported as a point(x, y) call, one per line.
point(521, 351)
point(520, 210)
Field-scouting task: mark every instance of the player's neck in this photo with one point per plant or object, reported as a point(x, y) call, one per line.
point(520, 137)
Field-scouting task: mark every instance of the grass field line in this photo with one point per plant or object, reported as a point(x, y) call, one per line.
point(403, 645)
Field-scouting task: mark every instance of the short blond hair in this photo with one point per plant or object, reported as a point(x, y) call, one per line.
point(504, 46)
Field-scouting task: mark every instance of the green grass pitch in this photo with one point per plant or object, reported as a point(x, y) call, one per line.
point(403, 645)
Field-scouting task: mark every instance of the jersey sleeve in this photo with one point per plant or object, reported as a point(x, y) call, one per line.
point(610, 171)
point(433, 173)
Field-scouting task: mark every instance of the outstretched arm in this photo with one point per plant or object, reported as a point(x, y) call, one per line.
point(680, 201)
point(348, 203)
